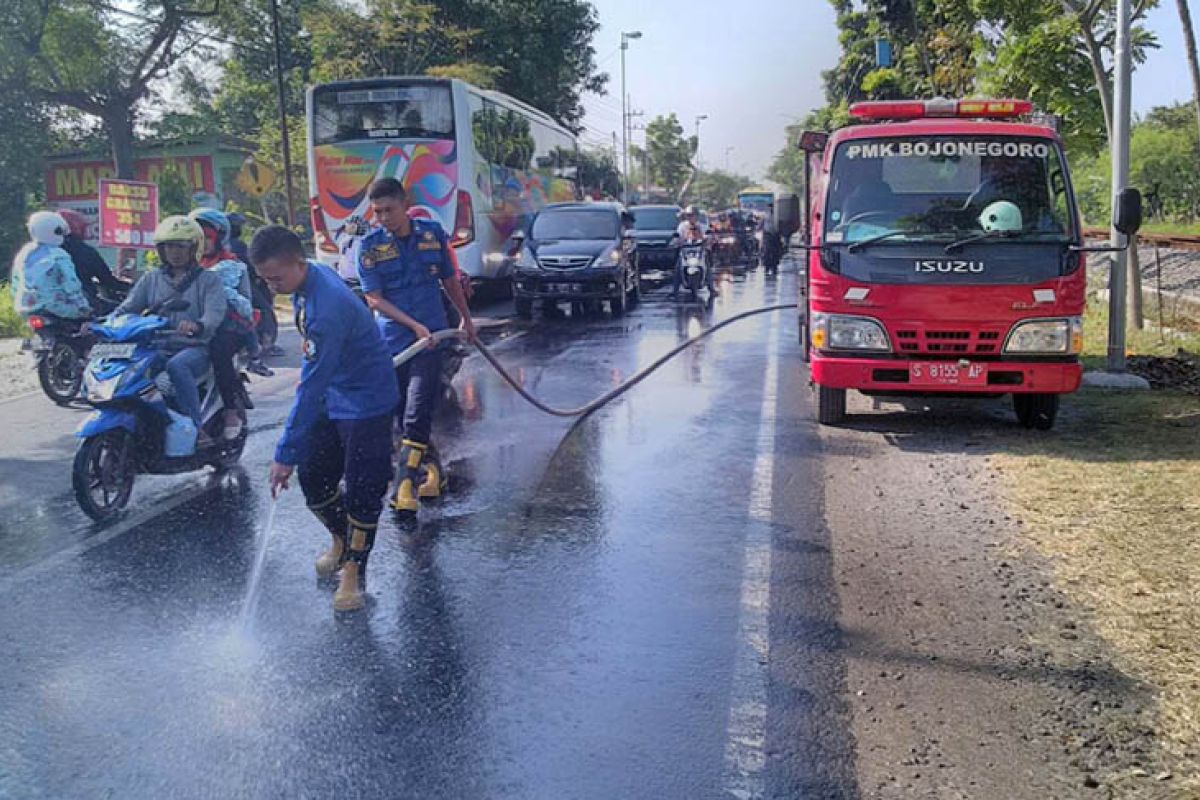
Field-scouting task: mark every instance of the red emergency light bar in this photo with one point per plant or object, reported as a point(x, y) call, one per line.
point(940, 107)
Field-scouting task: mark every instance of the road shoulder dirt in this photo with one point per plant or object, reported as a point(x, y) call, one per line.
point(969, 674)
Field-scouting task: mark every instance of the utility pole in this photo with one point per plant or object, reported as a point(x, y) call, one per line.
point(283, 120)
point(625, 37)
point(1120, 179)
point(699, 118)
point(728, 150)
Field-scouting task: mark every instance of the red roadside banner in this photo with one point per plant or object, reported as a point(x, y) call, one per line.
point(128, 213)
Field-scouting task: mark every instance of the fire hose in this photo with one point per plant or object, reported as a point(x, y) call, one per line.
point(602, 400)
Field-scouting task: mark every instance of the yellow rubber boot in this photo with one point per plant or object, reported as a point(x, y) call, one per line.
point(332, 514)
point(349, 595)
point(407, 476)
point(435, 479)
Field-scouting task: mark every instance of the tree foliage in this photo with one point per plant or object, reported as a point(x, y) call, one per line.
point(1164, 162)
point(716, 189)
point(102, 60)
point(1057, 53)
point(670, 153)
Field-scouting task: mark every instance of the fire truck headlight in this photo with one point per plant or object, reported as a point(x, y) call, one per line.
point(1062, 336)
point(841, 332)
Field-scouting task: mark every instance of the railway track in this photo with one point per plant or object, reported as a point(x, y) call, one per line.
point(1169, 240)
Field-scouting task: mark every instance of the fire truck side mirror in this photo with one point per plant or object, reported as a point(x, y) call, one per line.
point(1127, 216)
point(787, 214)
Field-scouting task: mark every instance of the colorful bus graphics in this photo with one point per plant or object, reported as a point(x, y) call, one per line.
point(479, 162)
point(345, 172)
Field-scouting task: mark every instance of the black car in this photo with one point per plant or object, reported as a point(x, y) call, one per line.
point(577, 252)
point(653, 229)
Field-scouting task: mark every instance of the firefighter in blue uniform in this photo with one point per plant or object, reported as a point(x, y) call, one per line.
point(339, 429)
point(404, 265)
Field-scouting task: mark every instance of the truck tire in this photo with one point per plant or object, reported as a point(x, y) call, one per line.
point(1036, 411)
point(831, 405)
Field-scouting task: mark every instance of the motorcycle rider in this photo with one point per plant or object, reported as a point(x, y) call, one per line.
point(90, 268)
point(404, 265)
point(178, 241)
point(339, 430)
point(690, 231)
point(43, 277)
point(237, 330)
point(260, 293)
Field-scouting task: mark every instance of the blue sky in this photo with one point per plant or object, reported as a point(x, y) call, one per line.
point(751, 65)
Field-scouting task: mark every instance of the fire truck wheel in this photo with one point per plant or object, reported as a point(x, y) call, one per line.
point(1036, 411)
point(831, 405)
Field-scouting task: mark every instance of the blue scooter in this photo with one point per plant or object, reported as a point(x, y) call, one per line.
point(133, 429)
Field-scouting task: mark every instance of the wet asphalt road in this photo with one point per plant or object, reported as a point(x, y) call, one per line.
point(637, 606)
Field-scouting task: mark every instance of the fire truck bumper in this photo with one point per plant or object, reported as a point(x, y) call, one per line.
point(883, 376)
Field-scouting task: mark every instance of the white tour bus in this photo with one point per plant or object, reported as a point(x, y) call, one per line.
point(477, 161)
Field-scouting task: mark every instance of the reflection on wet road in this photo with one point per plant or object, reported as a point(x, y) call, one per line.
point(638, 605)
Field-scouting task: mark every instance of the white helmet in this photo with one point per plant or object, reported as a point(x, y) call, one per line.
point(1001, 216)
point(46, 227)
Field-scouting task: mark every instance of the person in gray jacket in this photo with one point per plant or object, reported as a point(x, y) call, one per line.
point(178, 241)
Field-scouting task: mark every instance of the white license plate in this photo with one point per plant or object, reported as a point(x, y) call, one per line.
point(113, 350)
point(939, 373)
point(562, 288)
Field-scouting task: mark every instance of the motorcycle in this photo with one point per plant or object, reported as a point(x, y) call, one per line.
point(61, 349)
point(133, 430)
point(693, 260)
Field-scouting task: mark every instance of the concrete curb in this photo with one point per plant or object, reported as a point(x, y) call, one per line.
point(1123, 381)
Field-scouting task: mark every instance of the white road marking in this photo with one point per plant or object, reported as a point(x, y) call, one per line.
point(746, 735)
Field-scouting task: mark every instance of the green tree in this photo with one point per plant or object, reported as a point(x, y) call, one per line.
point(1164, 160)
point(716, 189)
point(389, 37)
point(670, 152)
point(98, 59)
point(543, 50)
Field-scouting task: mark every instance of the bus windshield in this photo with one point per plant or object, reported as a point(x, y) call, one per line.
point(915, 188)
point(390, 112)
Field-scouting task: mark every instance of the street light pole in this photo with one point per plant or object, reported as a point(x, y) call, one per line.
point(283, 120)
point(625, 37)
point(699, 118)
point(1120, 179)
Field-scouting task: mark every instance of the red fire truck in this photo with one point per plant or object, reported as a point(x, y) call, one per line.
point(945, 257)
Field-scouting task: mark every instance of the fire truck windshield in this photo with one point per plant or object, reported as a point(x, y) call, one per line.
point(975, 190)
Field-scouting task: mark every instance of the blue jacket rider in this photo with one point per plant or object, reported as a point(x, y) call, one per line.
point(340, 425)
point(404, 266)
point(43, 275)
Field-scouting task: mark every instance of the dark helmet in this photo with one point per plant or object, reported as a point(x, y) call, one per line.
point(236, 223)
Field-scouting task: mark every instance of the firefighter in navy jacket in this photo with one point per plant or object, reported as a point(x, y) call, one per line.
point(404, 266)
point(339, 429)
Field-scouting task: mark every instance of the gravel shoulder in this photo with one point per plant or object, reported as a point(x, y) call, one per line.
point(18, 373)
point(969, 673)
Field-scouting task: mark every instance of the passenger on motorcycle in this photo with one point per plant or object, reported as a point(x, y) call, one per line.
point(237, 331)
point(690, 231)
point(178, 241)
point(43, 277)
point(90, 268)
point(260, 294)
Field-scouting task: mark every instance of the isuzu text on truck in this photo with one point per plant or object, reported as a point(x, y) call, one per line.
point(945, 257)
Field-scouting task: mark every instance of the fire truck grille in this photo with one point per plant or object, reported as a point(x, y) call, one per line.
point(948, 342)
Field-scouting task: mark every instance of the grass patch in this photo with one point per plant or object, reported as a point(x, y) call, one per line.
point(11, 323)
point(1112, 500)
point(1178, 334)
point(1172, 228)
